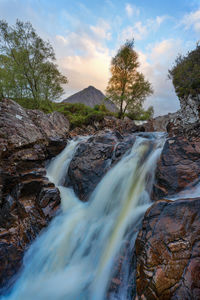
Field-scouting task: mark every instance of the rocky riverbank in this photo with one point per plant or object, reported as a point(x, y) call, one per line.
point(168, 244)
point(28, 200)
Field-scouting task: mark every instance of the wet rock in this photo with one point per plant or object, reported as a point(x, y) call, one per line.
point(28, 201)
point(123, 273)
point(55, 146)
point(179, 165)
point(93, 159)
point(168, 251)
point(160, 123)
point(26, 208)
point(10, 262)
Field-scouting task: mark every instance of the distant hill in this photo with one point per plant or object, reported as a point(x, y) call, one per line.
point(91, 96)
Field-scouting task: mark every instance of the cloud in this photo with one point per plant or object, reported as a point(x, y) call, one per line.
point(102, 30)
point(141, 30)
point(192, 20)
point(161, 19)
point(154, 64)
point(131, 10)
point(89, 65)
point(138, 32)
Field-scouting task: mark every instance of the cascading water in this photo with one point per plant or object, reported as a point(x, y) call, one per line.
point(73, 259)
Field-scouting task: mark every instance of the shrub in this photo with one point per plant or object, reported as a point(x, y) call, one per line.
point(185, 74)
point(141, 114)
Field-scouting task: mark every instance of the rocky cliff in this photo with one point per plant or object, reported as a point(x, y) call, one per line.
point(168, 251)
point(28, 200)
point(168, 244)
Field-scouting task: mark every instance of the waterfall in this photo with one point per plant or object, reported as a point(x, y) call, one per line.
point(73, 258)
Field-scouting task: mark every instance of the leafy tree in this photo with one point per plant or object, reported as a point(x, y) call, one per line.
point(141, 114)
point(185, 74)
point(127, 87)
point(27, 65)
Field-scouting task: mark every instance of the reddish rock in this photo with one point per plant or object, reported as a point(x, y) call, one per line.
point(168, 251)
point(28, 203)
point(28, 200)
point(178, 167)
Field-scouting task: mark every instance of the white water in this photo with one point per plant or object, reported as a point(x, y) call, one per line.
point(189, 192)
point(73, 259)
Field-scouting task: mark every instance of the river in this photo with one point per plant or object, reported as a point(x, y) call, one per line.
point(74, 258)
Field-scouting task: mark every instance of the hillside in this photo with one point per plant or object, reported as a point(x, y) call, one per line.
point(91, 96)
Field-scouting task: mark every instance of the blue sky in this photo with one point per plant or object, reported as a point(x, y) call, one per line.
point(86, 35)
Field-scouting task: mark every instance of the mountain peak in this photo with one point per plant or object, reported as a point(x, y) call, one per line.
point(91, 87)
point(91, 96)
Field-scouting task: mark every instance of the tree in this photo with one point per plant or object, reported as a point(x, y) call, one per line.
point(185, 74)
point(127, 87)
point(27, 65)
point(140, 114)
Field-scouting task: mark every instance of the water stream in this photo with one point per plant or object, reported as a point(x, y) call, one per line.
point(73, 258)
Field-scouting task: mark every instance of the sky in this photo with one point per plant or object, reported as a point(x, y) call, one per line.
point(87, 34)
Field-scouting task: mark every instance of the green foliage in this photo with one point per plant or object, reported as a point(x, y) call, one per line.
point(27, 65)
point(141, 114)
point(80, 114)
point(29, 103)
point(101, 107)
point(185, 74)
point(127, 87)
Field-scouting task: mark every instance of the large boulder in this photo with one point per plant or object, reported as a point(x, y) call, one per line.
point(25, 211)
point(52, 126)
point(16, 128)
point(160, 123)
point(93, 158)
point(186, 118)
point(179, 164)
point(190, 109)
point(28, 200)
point(168, 251)
point(20, 127)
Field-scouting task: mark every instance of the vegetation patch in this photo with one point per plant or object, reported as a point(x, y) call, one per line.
point(185, 74)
